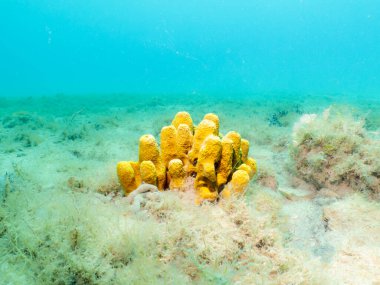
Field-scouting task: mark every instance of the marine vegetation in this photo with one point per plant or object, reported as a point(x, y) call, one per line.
point(219, 164)
point(335, 151)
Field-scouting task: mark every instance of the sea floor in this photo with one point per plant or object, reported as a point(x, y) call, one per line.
point(64, 220)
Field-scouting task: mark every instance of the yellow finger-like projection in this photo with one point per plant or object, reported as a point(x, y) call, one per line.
point(221, 165)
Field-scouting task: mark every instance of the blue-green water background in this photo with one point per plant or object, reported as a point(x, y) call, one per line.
point(189, 47)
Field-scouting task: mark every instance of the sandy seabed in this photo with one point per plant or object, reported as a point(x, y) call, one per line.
point(64, 220)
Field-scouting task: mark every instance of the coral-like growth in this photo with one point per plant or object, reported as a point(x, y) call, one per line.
point(335, 151)
point(201, 152)
point(127, 176)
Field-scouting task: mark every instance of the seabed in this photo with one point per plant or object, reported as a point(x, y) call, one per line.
point(64, 219)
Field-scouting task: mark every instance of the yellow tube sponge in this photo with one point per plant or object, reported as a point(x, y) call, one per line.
point(204, 193)
point(252, 164)
point(126, 176)
point(136, 167)
point(183, 118)
point(209, 155)
point(168, 138)
point(226, 193)
point(247, 169)
point(184, 140)
point(184, 143)
point(244, 149)
point(225, 165)
point(148, 172)
point(176, 174)
point(148, 150)
point(239, 182)
point(221, 166)
point(236, 144)
point(161, 176)
point(203, 130)
point(214, 118)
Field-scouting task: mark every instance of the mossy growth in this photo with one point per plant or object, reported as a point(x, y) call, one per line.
point(61, 237)
point(334, 150)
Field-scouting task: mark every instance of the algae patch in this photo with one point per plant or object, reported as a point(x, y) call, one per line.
point(333, 150)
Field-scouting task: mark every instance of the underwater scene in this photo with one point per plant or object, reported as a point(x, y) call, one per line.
point(190, 142)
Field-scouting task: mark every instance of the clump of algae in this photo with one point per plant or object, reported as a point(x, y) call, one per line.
point(333, 150)
point(63, 237)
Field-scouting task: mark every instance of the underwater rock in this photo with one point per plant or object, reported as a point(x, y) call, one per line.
point(142, 189)
point(201, 152)
point(334, 151)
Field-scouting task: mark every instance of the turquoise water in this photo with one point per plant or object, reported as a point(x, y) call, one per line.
point(82, 81)
point(189, 47)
